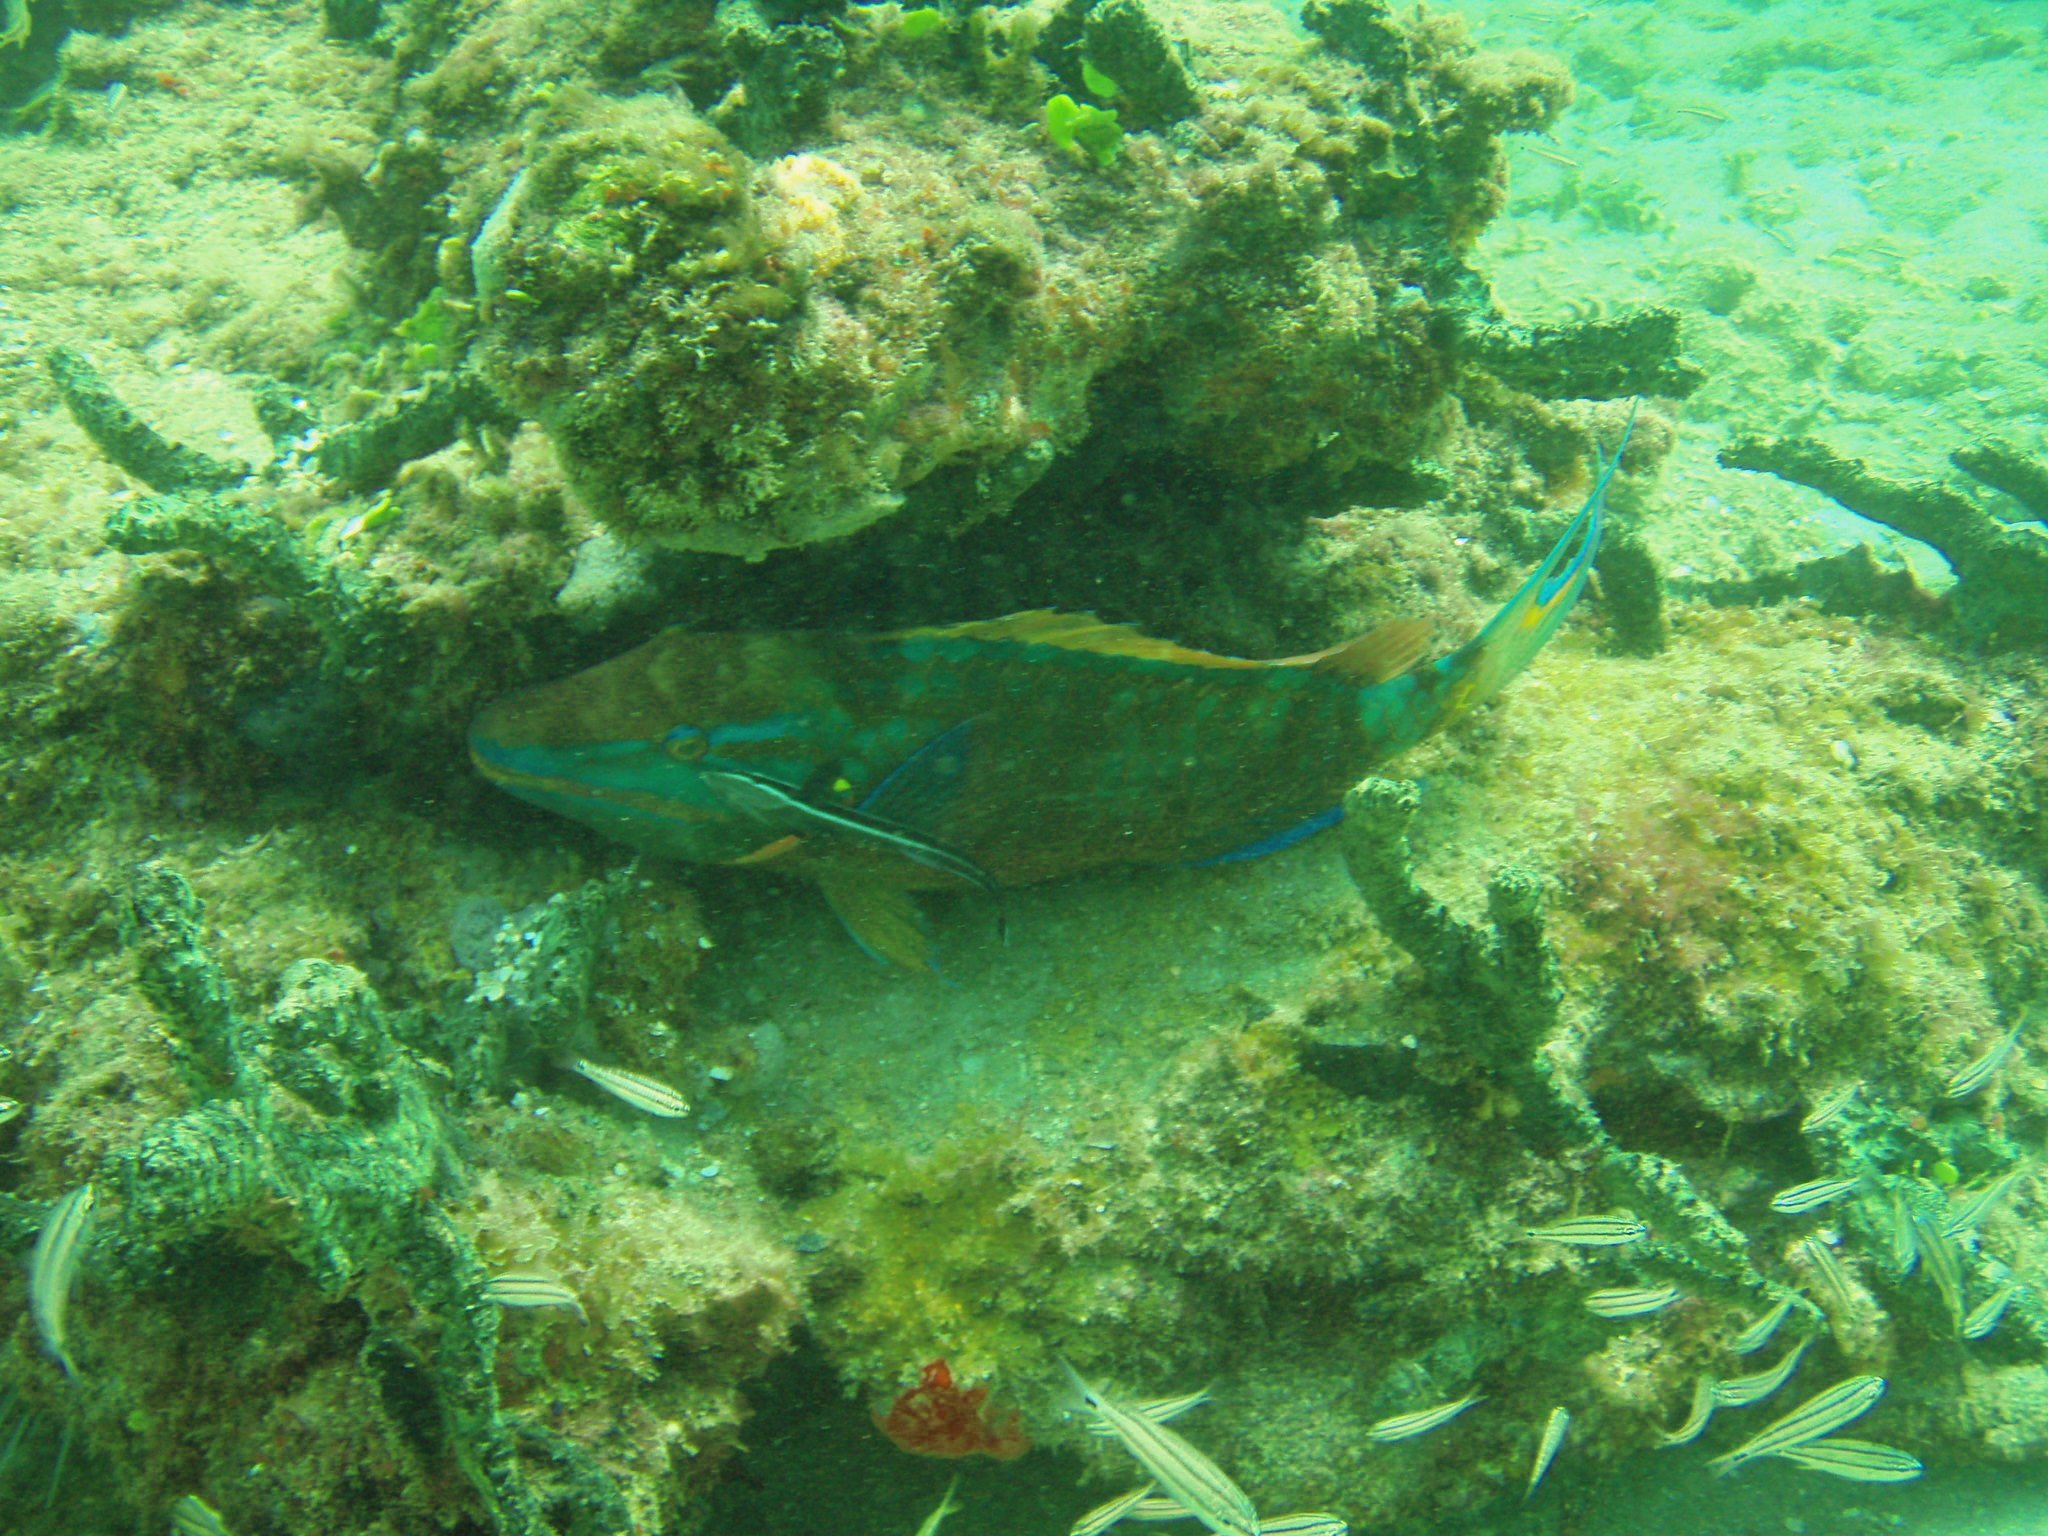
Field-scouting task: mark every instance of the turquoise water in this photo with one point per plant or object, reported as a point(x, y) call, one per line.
point(866, 1012)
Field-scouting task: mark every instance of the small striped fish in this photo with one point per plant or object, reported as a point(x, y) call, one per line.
point(1976, 1074)
point(1944, 1267)
point(54, 1265)
point(1183, 1473)
point(1591, 1231)
point(1817, 1255)
point(1989, 1312)
point(10, 1109)
point(1828, 1108)
point(1812, 1195)
point(1823, 1414)
point(1406, 1426)
point(948, 1505)
point(521, 1288)
point(1905, 1241)
point(1696, 1417)
point(1972, 1212)
point(1547, 1448)
point(1103, 1516)
point(1760, 1332)
point(193, 1516)
point(1159, 1410)
point(648, 1095)
point(1744, 1390)
point(1156, 1509)
point(1631, 1300)
point(1860, 1461)
point(1308, 1524)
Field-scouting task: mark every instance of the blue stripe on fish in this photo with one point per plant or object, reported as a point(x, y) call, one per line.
point(1298, 833)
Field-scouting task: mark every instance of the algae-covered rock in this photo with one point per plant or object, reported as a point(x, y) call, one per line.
point(743, 338)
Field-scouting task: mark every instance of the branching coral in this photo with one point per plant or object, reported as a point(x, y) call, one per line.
point(324, 1116)
point(1508, 973)
point(323, 1164)
point(2002, 572)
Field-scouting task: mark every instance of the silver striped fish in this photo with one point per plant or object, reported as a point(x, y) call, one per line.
point(1160, 1409)
point(1812, 1195)
point(1823, 1414)
point(1860, 1461)
point(1828, 1108)
point(1696, 1417)
point(1820, 1257)
point(1760, 1332)
point(193, 1516)
point(1104, 1515)
point(1971, 1213)
point(1308, 1523)
point(10, 1109)
point(53, 1266)
point(1975, 1074)
point(523, 1288)
point(649, 1095)
point(1905, 1241)
point(1183, 1473)
point(1631, 1300)
point(1547, 1448)
point(1591, 1231)
point(1989, 1312)
point(1406, 1426)
point(948, 1505)
point(1944, 1267)
point(1744, 1390)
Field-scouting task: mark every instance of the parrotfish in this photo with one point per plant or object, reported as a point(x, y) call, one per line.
point(995, 753)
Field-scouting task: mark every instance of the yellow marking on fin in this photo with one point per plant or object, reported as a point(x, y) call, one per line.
point(1385, 652)
point(767, 851)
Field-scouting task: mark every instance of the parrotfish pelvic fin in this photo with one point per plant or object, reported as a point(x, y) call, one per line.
point(883, 920)
point(1479, 669)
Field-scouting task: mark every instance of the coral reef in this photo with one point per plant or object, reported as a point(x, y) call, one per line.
point(574, 304)
point(324, 1162)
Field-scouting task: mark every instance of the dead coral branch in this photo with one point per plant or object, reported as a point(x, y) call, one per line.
point(2001, 571)
point(1509, 973)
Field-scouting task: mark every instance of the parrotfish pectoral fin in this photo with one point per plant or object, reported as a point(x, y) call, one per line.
point(882, 919)
point(1480, 669)
point(920, 790)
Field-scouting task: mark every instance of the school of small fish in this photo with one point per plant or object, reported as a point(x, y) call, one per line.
point(1806, 1437)
point(1189, 1485)
point(1182, 1483)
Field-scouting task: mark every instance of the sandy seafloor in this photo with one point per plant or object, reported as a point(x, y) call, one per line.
point(1850, 203)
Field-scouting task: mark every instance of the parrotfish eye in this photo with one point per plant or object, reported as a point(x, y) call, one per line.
point(685, 743)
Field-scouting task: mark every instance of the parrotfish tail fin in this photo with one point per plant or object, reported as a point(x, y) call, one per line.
point(1478, 670)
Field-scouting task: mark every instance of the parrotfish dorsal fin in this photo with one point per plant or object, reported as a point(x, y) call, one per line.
point(1386, 652)
point(1075, 632)
point(1374, 657)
